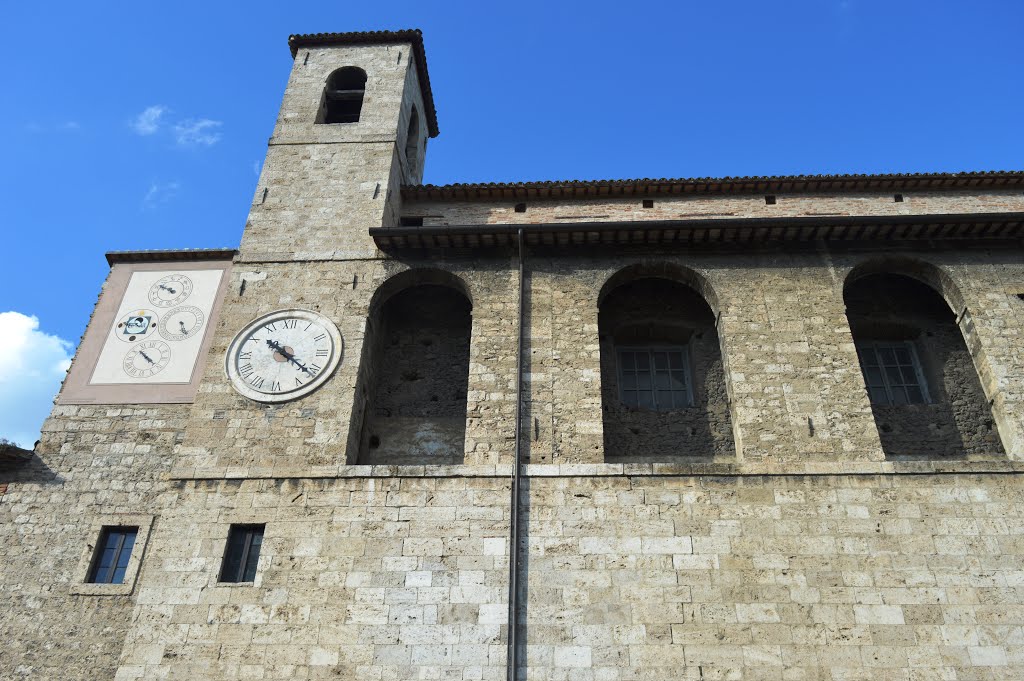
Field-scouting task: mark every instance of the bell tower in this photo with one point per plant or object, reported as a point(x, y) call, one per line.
point(353, 127)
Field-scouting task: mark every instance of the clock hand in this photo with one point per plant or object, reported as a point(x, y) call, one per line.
point(146, 357)
point(287, 355)
point(168, 289)
point(182, 325)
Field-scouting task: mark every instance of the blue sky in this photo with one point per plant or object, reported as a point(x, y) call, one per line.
point(142, 125)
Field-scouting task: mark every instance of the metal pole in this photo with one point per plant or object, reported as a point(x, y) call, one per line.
point(513, 541)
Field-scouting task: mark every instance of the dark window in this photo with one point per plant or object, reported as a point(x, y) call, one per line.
point(112, 554)
point(892, 373)
point(410, 221)
point(412, 141)
point(242, 553)
point(655, 377)
point(770, 200)
point(898, 198)
point(520, 208)
point(648, 203)
point(343, 96)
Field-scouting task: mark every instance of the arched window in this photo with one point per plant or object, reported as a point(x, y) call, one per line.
point(412, 141)
point(662, 382)
point(343, 96)
point(416, 375)
point(923, 387)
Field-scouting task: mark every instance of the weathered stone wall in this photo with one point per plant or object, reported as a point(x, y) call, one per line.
point(652, 312)
point(418, 398)
point(232, 433)
point(93, 462)
point(322, 186)
point(359, 578)
point(600, 209)
point(956, 421)
point(821, 577)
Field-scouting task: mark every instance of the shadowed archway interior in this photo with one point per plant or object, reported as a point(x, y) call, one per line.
point(924, 389)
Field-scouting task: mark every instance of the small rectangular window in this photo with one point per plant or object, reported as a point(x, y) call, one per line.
point(770, 200)
point(648, 203)
point(655, 377)
point(112, 555)
point(892, 373)
point(898, 198)
point(242, 553)
point(410, 221)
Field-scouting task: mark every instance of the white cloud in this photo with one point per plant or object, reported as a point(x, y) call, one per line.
point(31, 368)
point(148, 122)
point(160, 192)
point(256, 168)
point(202, 132)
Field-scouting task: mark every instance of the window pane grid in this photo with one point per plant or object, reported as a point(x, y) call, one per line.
point(654, 378)
point(115, 550)
point(892, 373)
point(242, 553)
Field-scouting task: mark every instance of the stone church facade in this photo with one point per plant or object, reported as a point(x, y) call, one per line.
point(758, 428)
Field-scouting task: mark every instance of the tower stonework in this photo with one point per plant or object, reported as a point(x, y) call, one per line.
point(771, 428)
point(326, 184)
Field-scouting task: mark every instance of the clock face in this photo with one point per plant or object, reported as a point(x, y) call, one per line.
point(181, 322)
point(147, 359)
point(170, 291)
point(136, 325)
point(283, 355)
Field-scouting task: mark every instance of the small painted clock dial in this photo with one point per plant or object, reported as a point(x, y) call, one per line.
point(181, 322)
point(147, 359)
point(170, 291)
point(137, 325)
point(283, 355)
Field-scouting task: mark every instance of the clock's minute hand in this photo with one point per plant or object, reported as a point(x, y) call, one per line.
point(146, 357)
point(277, 347)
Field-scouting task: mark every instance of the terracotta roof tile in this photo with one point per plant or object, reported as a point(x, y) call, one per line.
point(557, 189)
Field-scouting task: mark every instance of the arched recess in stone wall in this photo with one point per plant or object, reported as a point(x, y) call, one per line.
point(414, 371)
point(909, 320)
point(342, 99)
point(663, 385)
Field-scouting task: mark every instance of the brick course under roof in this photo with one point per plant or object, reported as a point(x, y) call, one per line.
point(560, 189)
point(412, 36)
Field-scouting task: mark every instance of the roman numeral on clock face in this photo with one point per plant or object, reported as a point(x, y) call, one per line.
point(245, 370)
point(290, 323)
point(323, 353)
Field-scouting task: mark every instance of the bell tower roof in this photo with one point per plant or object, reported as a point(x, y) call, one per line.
point(413, 36)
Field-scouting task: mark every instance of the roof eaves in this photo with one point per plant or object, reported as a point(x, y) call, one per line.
point(170, 255)
point(717, 185)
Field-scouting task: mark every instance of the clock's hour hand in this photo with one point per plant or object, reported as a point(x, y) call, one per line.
point(277, 347)
point(146, 357)
point(168, 289)
point(182, 325)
